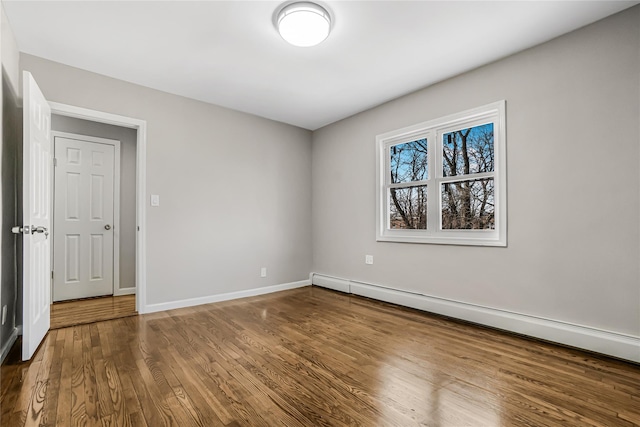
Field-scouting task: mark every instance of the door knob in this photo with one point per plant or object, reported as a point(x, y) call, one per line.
point(107, 227)
point(17, 229)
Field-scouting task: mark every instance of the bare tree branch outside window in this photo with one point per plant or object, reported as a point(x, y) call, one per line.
point(408, 205)
point(468, 204)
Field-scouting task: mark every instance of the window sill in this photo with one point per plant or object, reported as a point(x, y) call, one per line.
point(445, 240)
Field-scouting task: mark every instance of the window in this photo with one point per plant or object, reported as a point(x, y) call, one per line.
point(443, 181)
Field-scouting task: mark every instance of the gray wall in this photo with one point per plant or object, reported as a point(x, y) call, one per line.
point(10, 190)
point(234, 188)
point(127, 138)
point(573, 185)
point(11, 161)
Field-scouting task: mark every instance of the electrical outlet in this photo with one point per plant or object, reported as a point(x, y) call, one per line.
point(4, 314)
point(263, 272)
point(368, 259)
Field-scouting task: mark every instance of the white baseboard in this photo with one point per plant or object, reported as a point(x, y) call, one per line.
point(124, 291)
point(610, 343)
point(7, 346)
point(151, 308)
point(334, 283)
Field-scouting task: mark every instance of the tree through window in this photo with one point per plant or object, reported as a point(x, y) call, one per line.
point(469, 203)
point(408, 204)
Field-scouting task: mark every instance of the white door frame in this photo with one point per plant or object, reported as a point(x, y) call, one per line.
point(115, 286)
point(141, 195)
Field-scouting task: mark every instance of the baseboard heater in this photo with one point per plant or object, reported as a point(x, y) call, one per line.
point(614, 344)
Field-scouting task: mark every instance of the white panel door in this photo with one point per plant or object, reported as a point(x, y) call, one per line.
point(36, 219)
point(83, 219)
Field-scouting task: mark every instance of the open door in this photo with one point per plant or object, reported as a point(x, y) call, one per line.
point(37, 188)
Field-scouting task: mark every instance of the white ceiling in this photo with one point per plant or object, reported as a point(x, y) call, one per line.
point(229, 53)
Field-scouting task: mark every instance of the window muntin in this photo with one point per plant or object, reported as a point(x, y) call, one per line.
point(443, 181)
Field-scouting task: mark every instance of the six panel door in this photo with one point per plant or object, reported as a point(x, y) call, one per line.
point(83, 219)
point(36, 212)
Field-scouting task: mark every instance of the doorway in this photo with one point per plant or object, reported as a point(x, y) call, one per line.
point(36, 204)
point(94, 211)
point(132, 258)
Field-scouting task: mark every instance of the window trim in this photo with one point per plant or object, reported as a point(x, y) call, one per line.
point(433, 130)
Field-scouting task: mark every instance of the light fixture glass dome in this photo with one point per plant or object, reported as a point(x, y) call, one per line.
point(304, 24)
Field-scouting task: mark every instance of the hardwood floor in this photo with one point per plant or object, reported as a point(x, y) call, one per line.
point(311, 357)
point(78, 312)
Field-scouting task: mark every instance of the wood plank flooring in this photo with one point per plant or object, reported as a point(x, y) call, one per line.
point(310, 357)
point(79, 312)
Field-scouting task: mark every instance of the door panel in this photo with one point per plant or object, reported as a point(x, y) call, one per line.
point(72, 254)
point(36, 216)
point(83, 219)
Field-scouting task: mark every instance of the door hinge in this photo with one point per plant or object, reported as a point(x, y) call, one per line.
point(55, 162)
point(51, 274)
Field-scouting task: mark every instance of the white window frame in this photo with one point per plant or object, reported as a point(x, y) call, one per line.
point(433, 130)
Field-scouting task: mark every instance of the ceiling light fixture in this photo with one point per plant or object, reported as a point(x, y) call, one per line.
point(304, 24)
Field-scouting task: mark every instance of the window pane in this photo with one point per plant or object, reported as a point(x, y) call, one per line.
point(468, 205)
point(408, 208)
point(468, 151)
point(408, 161)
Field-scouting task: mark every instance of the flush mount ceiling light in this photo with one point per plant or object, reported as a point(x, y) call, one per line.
point(303, 24)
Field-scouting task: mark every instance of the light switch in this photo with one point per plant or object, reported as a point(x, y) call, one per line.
point(155, 200)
